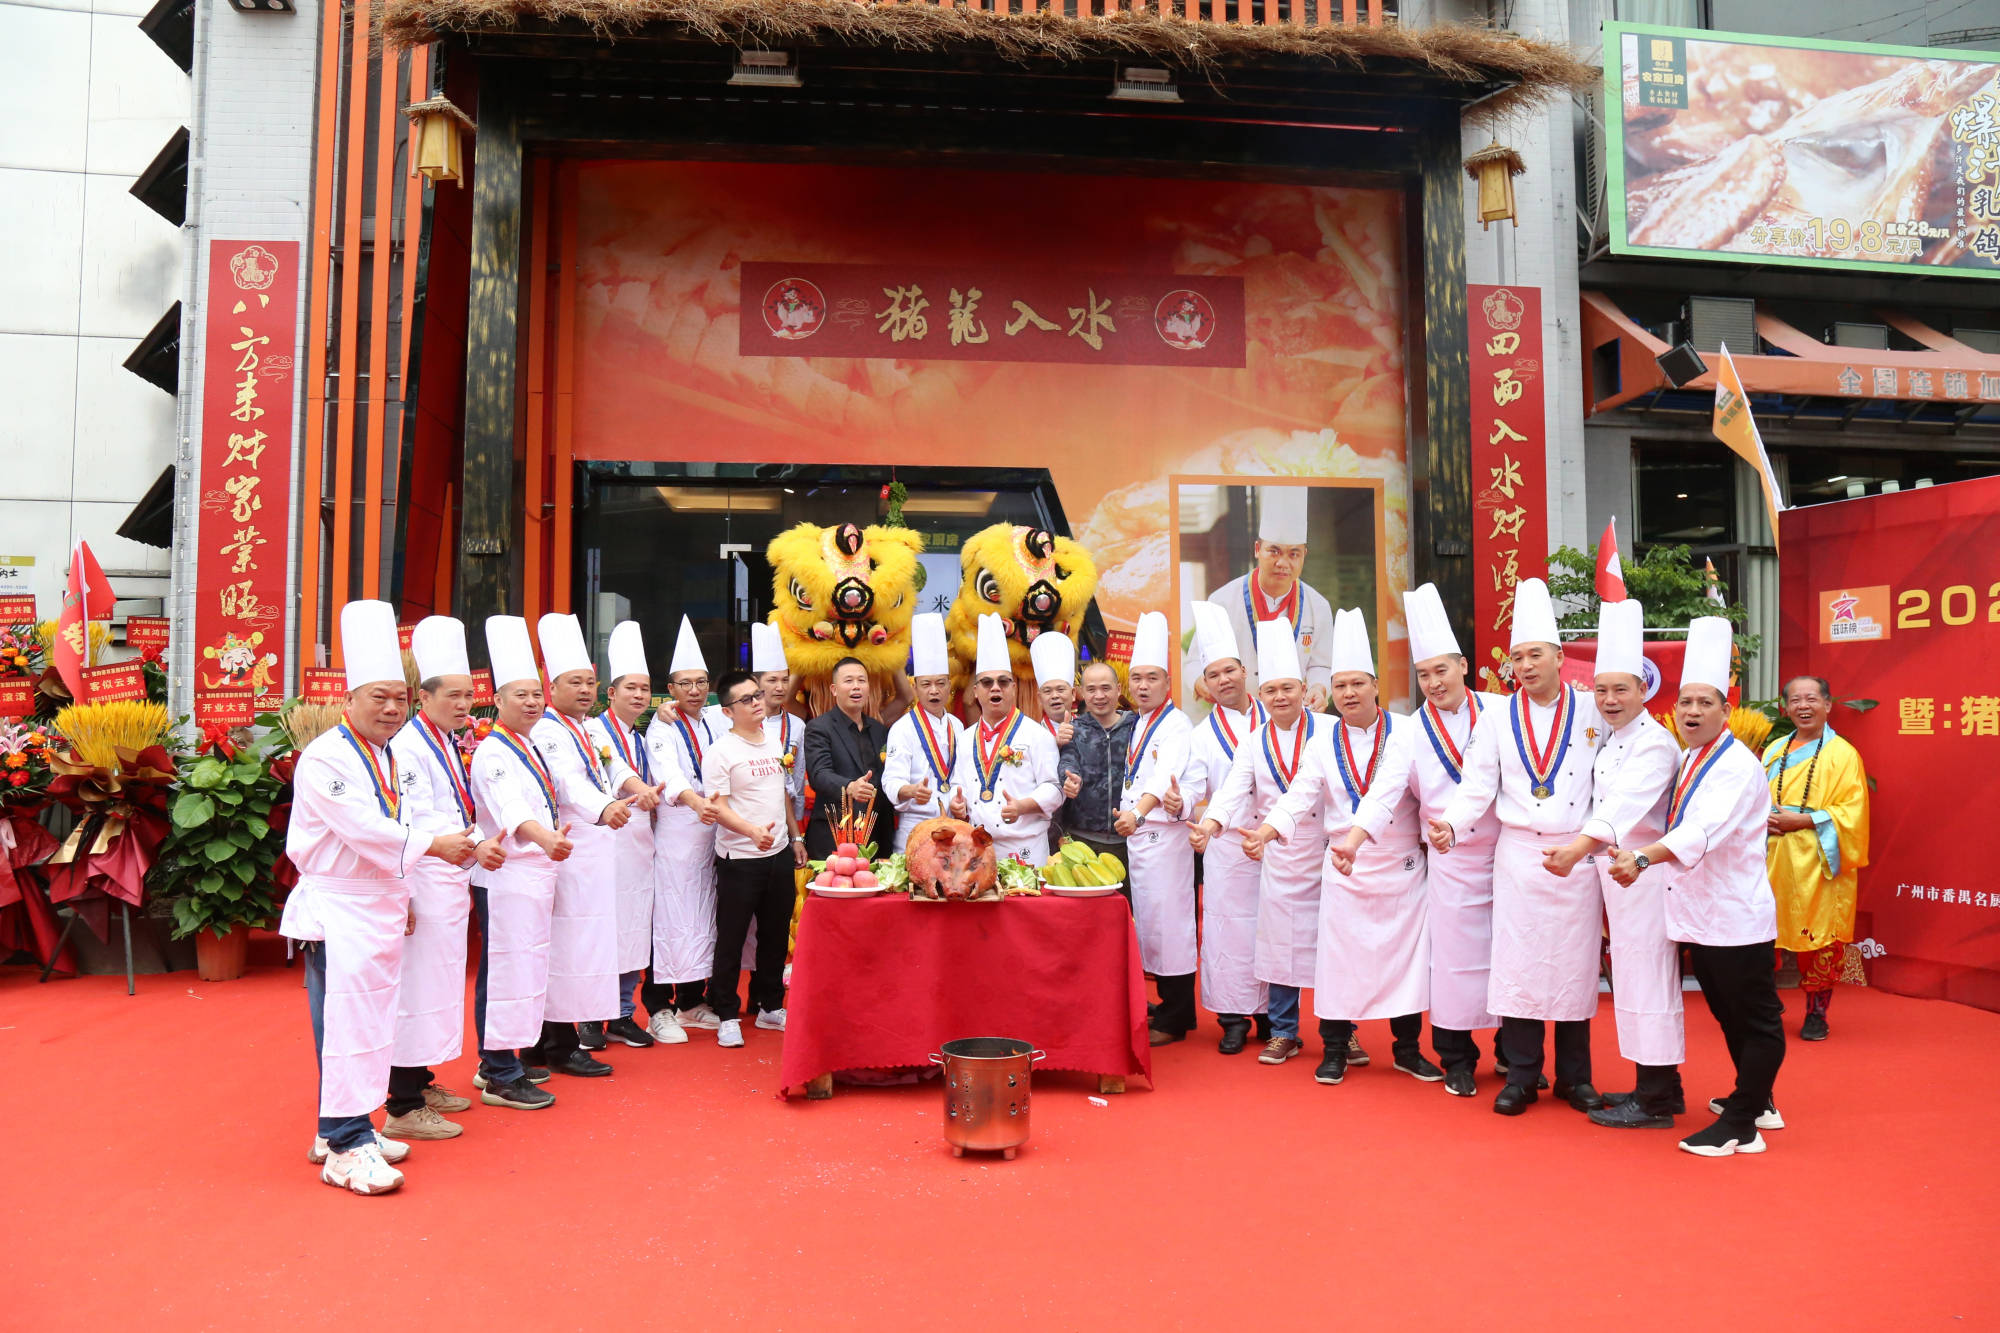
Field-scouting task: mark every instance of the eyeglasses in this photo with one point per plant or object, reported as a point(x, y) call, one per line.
point(742, 699)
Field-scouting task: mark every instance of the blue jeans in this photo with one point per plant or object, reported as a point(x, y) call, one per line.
point(1284, 1010)
point(627, 983)
point(495, 1066)
point(341, 1132)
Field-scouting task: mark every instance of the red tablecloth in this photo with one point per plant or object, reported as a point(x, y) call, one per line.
point(886, 981)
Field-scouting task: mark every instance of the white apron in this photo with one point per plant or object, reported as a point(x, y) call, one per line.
point(1229, 982)
point(1033, 848)
point(519, 897)
point(1645, 969)
point(1162, 867)
point(583, 931)
point(430, 1007)
point(361, 922)
point(683, 897)
point(1288, 907)
point(634, 860)
point(1461, 915)
point(1546, 933)
point(1374, 936)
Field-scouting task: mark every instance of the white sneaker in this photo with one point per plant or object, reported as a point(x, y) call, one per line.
point(1769, 1120)
point(665, 1029)
point(701, 1016)
point(392, 1151)
point(729, 1032)
point(362, 1171)
point(771, 1019)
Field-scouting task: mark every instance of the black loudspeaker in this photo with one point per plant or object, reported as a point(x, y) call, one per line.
point(1682, 364)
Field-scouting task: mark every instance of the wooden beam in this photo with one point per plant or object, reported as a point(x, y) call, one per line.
point(491, 354)
point(1440, 411)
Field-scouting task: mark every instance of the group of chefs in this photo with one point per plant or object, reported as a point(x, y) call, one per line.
point(1459, 860)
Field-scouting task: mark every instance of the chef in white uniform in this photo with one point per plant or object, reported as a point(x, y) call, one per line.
point(1266, 763)
point(923, 742)
point(1533, 767)
point(1158, 853)
point(678, 737)
point(1229, 879)
point(1630, 784)
point(1427, 758)
point(1275, 589)
point(437, 788)
point(1718, 898)
point(514, 797)
point(351, 840)
point(774, 677)
point(583, 930)
point(1374, 920)
point(1005, 780)
point(630, 695)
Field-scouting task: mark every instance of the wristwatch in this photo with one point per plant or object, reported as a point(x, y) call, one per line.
point(1640, 860)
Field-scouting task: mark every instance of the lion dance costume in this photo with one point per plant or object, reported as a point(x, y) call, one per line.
point(1036, 582)
point(844, 592)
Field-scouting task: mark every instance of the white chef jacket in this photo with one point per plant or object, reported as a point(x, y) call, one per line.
point(1164, 756)
point(672, 762)
point(1496, 776)
point(1412, 761)
point(434, 804)
point(1213, 744)
point(908, 764)
point(1632, 779)
point(1315, 631)
point(1717, 890)
point(1319, 783)
point(1034, 777)
point(337, 826)
point(790, 733)
point(508, 796)
point(583, 789)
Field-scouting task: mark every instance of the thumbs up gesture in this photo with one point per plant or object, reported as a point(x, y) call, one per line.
point(1174, 802)
point(559, 847)
point(491, 855)
point(1441, 833)
point(618, 813)
point(959, 809)
point(457, 848)
point(647, 797)
point(766, 836)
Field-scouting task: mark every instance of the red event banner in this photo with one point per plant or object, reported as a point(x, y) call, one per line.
point(322, 685)
point(482, 688)
point(1510, 505)
point(17, 608)
point(1897, 598)
point(146, 631)
point(1662, 662)
point(244, 530)
point(965, 313)
point(17, 698)
point(227, 707)
point(114, 681)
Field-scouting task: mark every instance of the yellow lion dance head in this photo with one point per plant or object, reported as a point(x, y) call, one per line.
point(1037, 582)
point(844, 592)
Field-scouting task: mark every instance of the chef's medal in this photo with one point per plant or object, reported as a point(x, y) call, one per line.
point(1543, 762)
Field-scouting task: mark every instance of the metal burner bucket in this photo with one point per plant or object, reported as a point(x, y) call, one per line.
point(986, 1093)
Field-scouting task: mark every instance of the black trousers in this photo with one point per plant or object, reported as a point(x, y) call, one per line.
point(1455, 1047)
point(406, 1089)
point(759, 888)
point(1176, 1011)
point(1659, 1089)
point(657, 995)
point(1405, 1033)
point(1521, 1041)
point(1741, 989)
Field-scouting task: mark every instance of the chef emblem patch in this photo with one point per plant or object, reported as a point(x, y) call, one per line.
point(1184, 320)
point(336, 788)
point(793, 309)
point(1410, 861)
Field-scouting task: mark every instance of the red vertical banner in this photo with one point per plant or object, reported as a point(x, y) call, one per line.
point(1510, 484)
point(250, 346)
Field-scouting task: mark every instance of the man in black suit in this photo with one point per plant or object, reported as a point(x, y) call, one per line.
point(843, 754)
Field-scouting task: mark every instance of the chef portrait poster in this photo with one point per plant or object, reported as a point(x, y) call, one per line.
point(1776, 150)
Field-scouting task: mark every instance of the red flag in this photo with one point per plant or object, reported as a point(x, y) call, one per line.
point(1610, 574)
point(88, 597)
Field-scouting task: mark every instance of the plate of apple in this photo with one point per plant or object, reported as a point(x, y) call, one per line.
point(850, 871)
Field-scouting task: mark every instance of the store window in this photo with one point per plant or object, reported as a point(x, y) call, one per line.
point(1686, 495)
point(1819, 475)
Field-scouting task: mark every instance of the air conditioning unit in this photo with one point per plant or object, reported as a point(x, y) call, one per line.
point(1981, 340)
point(1871, 337)
point(1714, 321)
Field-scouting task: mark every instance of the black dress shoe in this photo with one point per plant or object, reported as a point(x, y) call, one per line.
point(1417, 1067)
point(1458, 1082)
point(1332, 1069)
point(629, 1032)
point(1513, 1100)
point(1629, 1114)
point(590, 1036)
point(1679, 1106)
point(1580, 1095)
point(1235, 1036)
point(581, 1064)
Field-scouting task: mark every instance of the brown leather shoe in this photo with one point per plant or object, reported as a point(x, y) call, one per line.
point(1155, 1037)
point(1280, 1049)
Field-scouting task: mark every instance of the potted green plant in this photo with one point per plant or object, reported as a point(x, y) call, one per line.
point(216, 865)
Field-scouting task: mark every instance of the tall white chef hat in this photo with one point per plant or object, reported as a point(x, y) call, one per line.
point(767, 649)
point(930, 654)
point(1430, 627)
point(626, 653)
point(1621, 638)
point(1149, 642)
point(369, 645)
point(1281, 514)
point(1053, 656)
point(1709, 651)
point(992, 654)
point(1534, 615)
point(438, 644)
point(1350, 643)
point(1214, 637)
point(563, 648)
point(687, 651)
point(510, 652)
point(1277, 652)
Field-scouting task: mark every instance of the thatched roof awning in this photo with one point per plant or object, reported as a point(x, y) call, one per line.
point(1479, 59)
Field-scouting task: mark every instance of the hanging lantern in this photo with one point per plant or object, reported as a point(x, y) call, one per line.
point(436, 145)
point(1495, 167)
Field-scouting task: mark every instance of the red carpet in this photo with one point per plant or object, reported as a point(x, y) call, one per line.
point(156, 1172)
